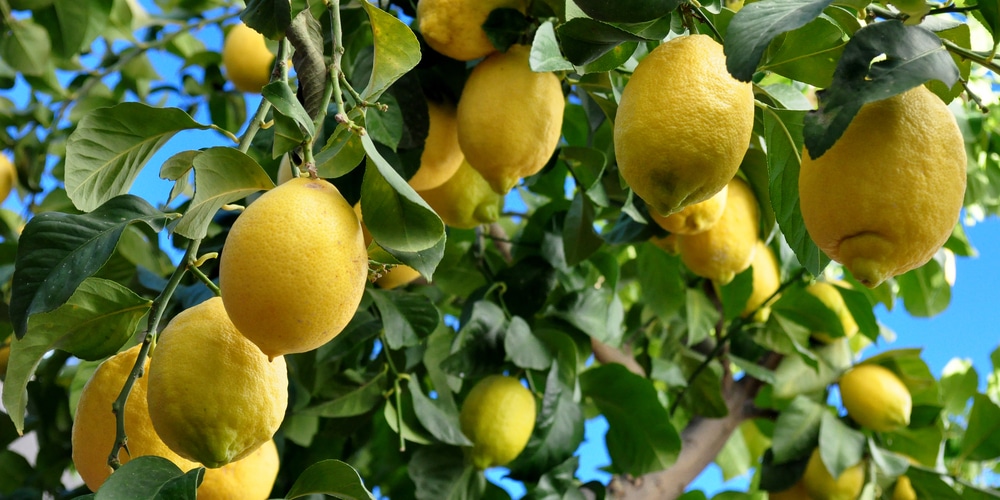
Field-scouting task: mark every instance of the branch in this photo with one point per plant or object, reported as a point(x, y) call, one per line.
point(607, 354)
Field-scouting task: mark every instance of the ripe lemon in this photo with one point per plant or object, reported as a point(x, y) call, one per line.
point(827, 294)
point(442, 155)
point(8, 176)
point(509, 118)
point(822, 486)
point(398, 276)
point(246, 58)
point(466, 200)
point(498, 416)
point(683, 124)
point(875, 398)
point(454, 27)
point(294, 267)
point(213, 396)
point(796, 492)
point(695, 218)
point(887, 195)
point(94, 426)
point(250, 478)
point(727, 248)
point(766, 280)
point(903, 489)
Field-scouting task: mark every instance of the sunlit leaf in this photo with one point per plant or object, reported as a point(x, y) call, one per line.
point(757, 23)
point(330, 477)
point(221, 176)
point(396, 51)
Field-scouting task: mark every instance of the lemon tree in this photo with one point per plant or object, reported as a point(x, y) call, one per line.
point(682, 219)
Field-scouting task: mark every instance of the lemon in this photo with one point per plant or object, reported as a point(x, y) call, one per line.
point(213, 396)
point(250, 478)
point(903, 489)
point(822, 486)
point(887, 195)
point(766, 280)
point(875, 398)
point(827, 294)
point(8, 176)
point(454, 27)
point(727, 248)
point(400, 275)
point(466, 200)
point(442, 155)
point(695, 218)
point(668, 243)
point(796, 492)
point(246, 58)
point(509, 118)
point(683, 124)
point(294, 267)
point(915, 9)
point(498, 416)
point(93, 432)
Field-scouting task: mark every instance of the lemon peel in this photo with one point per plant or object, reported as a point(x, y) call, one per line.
point(695, 218)
point(442, 155)
point(454, 27)
point(498, 416)
point(246, 58)
point(821, 485)
point(828, 294)
point(875, 398)
point(727, 248)
point(465, 200)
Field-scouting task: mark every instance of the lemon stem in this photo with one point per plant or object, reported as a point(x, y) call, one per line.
point(193, 266)
point(155, 315)
point(336, 74)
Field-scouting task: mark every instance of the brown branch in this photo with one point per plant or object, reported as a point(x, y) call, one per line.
point(607, 354)
point(501, 241)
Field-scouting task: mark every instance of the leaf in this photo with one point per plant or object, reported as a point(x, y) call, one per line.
point(406, 317)
point(280, 95)
point(386, 127)
point(306, 36)
point(397, 51)
point(357, 402)
point(912, 56)
point(441, 424)
point(930, 485)
point(67, 25)
point(959, 382)
point(756, 24)
point(808, 54)
point(640, 437)
point(58, 251)
point(330, 477)
point(797, 430)
point(523, 348)
point(268, 17)
point(26, 47)
point(989, 13)
point(150, 477)
point(579, 239)
point(221, 175)
point(111, 145)
point(840, 447)
point(440, 473)
point(626, 11)
point(558, 431)
point(795, 376)
point(504, 27)
point(982, 439)
point(925, 290)
point(585, 40)
point(343, 150)
point(596, 312)
point(545, 53)
point(662, 284)
point(94, 323)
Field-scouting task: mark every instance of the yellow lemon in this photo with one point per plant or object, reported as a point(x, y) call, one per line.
point(246, 58)
point(821, 485)
point(727, 248)
point(454, 27)
point(827, 294)
point(498, 416)
point(466, 200)
point(766, 279)
point(683, 124)
point(250, 478)
point(509, 118)
point(695, 218)
point(213, 396)
point(875, 398)
point(93, 432)
point(400, 275)
point(796, 492)
point(8, 176)
point(887, 195)
point(442, 155)
point(294, 267)
point(903, 489)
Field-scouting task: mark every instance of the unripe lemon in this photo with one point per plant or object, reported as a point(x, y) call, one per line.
point(727, 248)
point(213, 396)
point(8, 176)
point(796, 492)
point(454, 27)
point(498, 416)
point(683, 124)
point(400, 275)
point(442, 155)
point(94, 426)
point(250, 478)
point(766, 279)
point(695, 218)
point(875, 398)
point(509, 118)
point(466, 200)
point(294, 267)
point(246, 58)
point(822, 486)
point(827, 294)
point(888, 193)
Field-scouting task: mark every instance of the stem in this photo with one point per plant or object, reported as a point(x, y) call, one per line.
point(980, 59)
point(255, 124)
point(205, 279)
point(156, 314)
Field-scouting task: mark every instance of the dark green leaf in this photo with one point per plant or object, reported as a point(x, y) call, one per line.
point(558, 431)
point(281, 97)
point(579, 239)
point(797, 430)
point(221, 175)
point(386, 127)
point(982, 439)
point(808, 54)
point(627, 11)
point(406, 317)
point(504, 27)
point(585, 40)
point(757, 23)
point(861, 310)
point(397, 51)
point(989, 13)
point(142, 478)
point(928, 484)
point(596, 312)
point(440, 473)
point(66, 21)
point(356, 402)
point(661, 281)
point(269, 17)
point(330, 477)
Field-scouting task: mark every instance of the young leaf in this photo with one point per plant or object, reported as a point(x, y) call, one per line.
point(221, 175)
point(330, 477)
point(757, 23)
point(397, 51)
point(58, 251)
point(627, 11)
point(111, 145)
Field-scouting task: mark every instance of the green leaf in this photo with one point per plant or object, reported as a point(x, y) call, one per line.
point(558, 430)
point(525, 349)
point(269, 17)
point(839, 446)
point(111, 145)
point(626, 11)
point(424, 261)
point(15, 471)
point(662, 284)
point(640, 437)
point(95, 322)
point(797, 430)
point(921, 444)
point(342, 152)
point(982, 439)
point(505, 26)
point(701, 315)
point(959, 382)
point(397, 51)
point(927, 484)
point(280, 95)
point(306, 36)
point(756, 24)
point(406, 317)
point(960, 34)
point(704, 394)
point(150, 477)
point(585, 40)
point(989, 14)
point(66, 21)
point(386, 127)
point(809, 311)
point(26, 47)
point(783, 136)
point(925, 290)
point(357, 402)
point(795, 376)
point(330, 477)
point(221, 175)
point(596, 312)
point(912, 55)
point(442, 424)
point(736, 293)
point(579, 239)
point(545, 53)
point(808, 54)
point(440, 473)
point(58, 251)
point(861, 310)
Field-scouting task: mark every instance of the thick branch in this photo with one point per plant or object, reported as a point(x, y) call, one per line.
point(607, 354)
